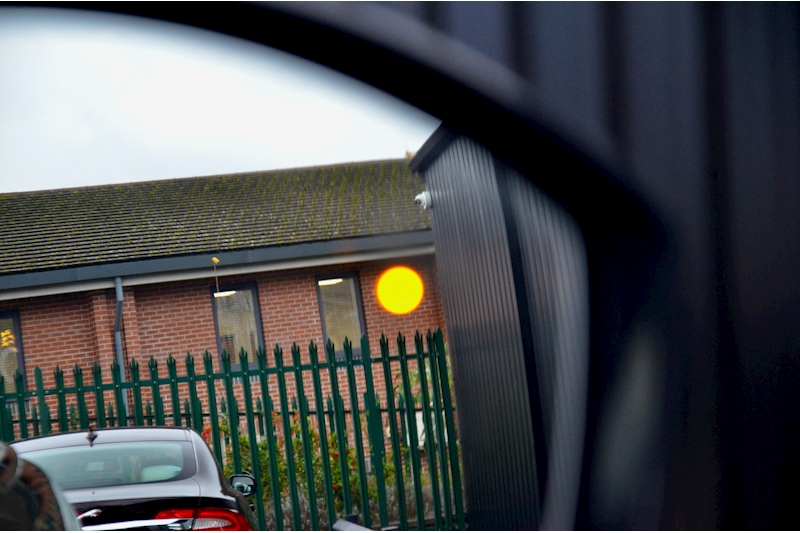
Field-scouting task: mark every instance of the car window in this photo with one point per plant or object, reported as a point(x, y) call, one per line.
point(106, 465)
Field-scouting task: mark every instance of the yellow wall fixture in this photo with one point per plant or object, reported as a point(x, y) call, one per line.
point(400, 290)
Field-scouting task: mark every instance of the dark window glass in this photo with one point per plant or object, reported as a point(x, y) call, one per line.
point(10, 349)
point(341, 311)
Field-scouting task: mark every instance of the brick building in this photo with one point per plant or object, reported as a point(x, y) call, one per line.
point(125, 272)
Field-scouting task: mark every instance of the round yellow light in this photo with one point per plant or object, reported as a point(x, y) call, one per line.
point(400, 290)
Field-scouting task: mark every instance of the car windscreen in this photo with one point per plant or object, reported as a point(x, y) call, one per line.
point(106, 465)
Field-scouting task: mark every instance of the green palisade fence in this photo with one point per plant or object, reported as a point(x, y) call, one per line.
point(337, 433)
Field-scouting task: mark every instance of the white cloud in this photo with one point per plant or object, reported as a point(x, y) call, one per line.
point(90, 99)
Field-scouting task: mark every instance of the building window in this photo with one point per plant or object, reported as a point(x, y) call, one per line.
point(237, 320)
point(10, 349)
point(341, 311)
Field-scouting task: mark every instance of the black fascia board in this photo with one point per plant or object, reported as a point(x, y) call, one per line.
point(267, 254)
point(430, 150)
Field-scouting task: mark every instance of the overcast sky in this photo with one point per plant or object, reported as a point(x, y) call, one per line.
point(94, 99)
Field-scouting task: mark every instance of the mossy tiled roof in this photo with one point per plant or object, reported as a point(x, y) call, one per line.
point(112, 223)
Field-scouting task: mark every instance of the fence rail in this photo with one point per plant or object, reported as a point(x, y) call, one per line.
point(354, 452)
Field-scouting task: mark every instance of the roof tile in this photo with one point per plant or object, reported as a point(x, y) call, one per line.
point(111, 223)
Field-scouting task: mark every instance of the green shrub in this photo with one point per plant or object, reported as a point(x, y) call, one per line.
point(337, 485)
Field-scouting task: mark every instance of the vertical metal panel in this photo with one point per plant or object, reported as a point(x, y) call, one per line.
point(415, 9)
point(663, 118)
point(760, 110)
point(478, 24)
point(662, 140)
point(485, 344)
point(566, 52)
point(763, 97)
point(557, 284)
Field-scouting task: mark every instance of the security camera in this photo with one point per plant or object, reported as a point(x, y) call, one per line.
point(423, 200)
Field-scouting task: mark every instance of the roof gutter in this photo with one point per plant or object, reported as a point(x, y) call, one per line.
point(164, 270)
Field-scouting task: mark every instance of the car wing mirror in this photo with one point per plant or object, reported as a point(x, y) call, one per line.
point(244, 484)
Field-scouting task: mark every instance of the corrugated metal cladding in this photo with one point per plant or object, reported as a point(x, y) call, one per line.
point(553, 257)
point(492, 338)
point(489, 374)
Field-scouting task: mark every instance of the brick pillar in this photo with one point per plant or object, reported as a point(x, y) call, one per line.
point(101, 312)
point(130, 328)
point(102, 317)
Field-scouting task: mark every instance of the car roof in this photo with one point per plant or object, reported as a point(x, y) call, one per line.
point(103, 436)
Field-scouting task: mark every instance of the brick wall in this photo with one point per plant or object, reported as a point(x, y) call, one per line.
point(177, 317)
point(60, 330)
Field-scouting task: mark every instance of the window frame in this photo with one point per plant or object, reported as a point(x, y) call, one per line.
point(13, 314)
point(359, 305)
point(248, 286)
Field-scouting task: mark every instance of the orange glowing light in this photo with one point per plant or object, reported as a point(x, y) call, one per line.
point(400, 290)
